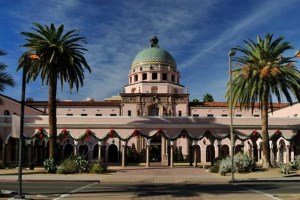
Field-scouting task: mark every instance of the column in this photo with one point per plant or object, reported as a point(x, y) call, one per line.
point(123, 153)
point(4, 153)
point(287, 154)
point(292, 154)
point(148, 153)
point(195, 156)
point(203, 154)
point(99, 151)
point(171, 152)
point(217, 151)
point(163, 148)
point(258, 155)
point(278, 154)
point(75, 147)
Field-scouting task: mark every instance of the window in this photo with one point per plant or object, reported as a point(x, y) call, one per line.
point(6, 112)
point(130, 80)
point(295, 115)
point(129, 113)
point(195, 115)
point(113, 114)
point(238, 115)
point(179, 113)
point(224, 115)
point(154, 89)
point(69, 114)
point(256, 115)
point(144, 76)
point(84, 114)
point(173, 78)
point(210, 115)
point(98, 115)
point(164, 76)
point(154, 76)
point(135, 78)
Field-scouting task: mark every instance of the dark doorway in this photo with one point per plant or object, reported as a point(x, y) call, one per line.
point(155, 148)
point(113, 153)
point(68, 151)
point(210, 153)
point(83, 151)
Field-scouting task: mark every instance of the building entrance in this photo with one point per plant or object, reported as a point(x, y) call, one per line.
point(155, 149)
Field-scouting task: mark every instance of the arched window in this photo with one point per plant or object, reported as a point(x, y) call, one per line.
point(175, 90)
point(153, 110)
point(154, 89)
point(6, 112)
point(133, 90)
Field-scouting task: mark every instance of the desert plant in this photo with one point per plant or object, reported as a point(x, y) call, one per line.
point(296, 163)
point(225, 166)
point(285, 168)
point(68, 166)
point(97, 168)
point(50, 166)
point(243, 163)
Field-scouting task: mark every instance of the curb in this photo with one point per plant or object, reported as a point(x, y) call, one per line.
point(45, 180)
point(264, 181)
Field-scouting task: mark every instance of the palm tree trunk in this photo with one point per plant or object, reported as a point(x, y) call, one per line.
point(52, 118)
point(265, 136)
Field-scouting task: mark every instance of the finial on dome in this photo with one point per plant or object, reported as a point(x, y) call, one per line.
point(154, 41)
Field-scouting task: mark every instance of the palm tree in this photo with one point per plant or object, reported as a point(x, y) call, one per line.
point(61, 58)
point(208, 98)
point(5, 78)
point(264, 74)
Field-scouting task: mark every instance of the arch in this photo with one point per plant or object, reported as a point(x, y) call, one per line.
point(224, 151)
point(68, 151)
point(281, 150)
point(83, 151)
point(296, 144)
point(210, 153)
point(154, 89)
point(12, 150)
point(239, 149)
point(198, 152)
point(113, 153)
point(133, 90)
point(153, 110)
point(40, 150)
point(95, 151)
point(6, 112)
point(155, 148)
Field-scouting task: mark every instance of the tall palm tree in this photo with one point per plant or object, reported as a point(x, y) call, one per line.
point(264, 74)
point(61, 58)
point(5, 78)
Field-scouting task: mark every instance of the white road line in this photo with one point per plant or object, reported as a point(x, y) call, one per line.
point(74, 191)
point(259, 192)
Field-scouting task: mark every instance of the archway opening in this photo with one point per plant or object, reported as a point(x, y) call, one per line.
point(153, 110)
point(96, 152)
point(210, 153)
point(83, 151)
point(224, 151)
point(113, 153)
point(68, 151)
point(238, 149)
point(155, 148)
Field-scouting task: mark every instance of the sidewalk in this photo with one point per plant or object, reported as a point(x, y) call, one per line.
point(149, 175)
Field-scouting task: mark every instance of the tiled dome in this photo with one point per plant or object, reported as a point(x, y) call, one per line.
point(154, 55)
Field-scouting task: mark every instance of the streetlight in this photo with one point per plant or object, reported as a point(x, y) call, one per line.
point(232, 52)
point(24, 62)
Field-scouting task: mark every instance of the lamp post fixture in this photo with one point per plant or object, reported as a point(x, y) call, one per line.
point(232, 52)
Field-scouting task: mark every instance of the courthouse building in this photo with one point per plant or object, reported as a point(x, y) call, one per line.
point(152, 120)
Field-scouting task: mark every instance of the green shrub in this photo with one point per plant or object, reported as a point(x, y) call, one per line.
point(285, 168)
point(68, 166)
point(97, 168)
point(50, 166)
point(296, 163)
point(215, 168)
point(242, 163)
point(82, 164)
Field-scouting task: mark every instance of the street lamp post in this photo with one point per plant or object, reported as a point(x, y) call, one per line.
point(231, 54)
point(21, 138)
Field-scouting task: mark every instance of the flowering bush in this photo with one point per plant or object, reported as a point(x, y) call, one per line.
point(82, 164)
point(50, 166)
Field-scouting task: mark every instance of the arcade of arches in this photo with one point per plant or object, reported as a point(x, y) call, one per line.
point(156, 149)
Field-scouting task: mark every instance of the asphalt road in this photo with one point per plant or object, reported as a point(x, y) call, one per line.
point(88, 190)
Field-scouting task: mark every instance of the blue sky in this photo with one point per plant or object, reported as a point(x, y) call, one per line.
point(197, 33)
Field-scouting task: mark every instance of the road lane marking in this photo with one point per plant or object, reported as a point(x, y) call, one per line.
point(74, 191)
point(259, 192)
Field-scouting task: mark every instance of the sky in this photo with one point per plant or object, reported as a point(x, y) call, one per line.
point(198, 33)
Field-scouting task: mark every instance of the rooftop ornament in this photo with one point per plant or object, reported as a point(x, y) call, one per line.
point(154, 42)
